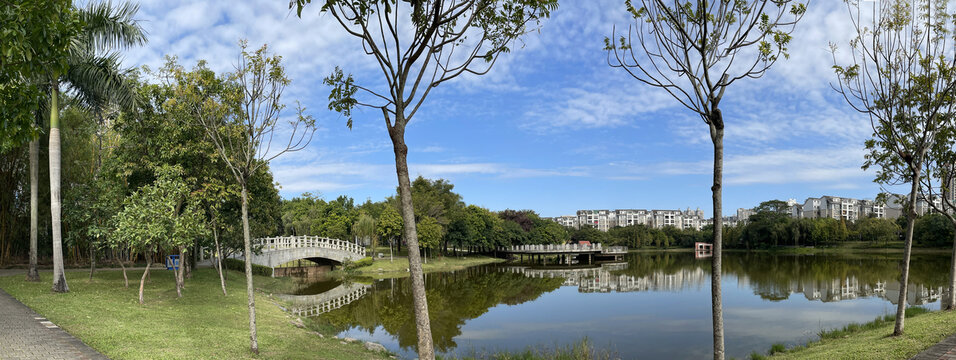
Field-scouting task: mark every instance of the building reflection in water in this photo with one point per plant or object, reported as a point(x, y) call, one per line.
point(609, 278)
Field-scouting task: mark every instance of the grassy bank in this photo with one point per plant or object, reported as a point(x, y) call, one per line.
point(874, 340)
point(203, 324)
point(399, 266)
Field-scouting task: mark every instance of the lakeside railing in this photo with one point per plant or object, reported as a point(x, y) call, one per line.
point(306, 241)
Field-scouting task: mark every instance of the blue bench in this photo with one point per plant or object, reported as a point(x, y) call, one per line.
point(172, 262)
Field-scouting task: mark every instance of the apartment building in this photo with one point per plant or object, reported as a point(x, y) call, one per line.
point(604, 220)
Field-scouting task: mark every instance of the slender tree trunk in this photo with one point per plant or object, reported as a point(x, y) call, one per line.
point(32, 273)
point(59, 277)
point(907, 247)
point(425, 347)
point(717, 136)
point(125, 279)
point(142, 280)
point(92, 261)
point(178, 271)
point(218, 256)
point(253, 338)
point(951, 301)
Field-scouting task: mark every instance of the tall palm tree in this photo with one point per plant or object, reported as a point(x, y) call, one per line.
point(94, 77)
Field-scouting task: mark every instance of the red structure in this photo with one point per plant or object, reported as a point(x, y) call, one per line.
point(702, 246)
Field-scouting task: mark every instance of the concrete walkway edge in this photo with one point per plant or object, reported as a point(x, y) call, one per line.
point(24, 334)
point(945, 349)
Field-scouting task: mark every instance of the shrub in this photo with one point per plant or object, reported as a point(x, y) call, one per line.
point(352, 265)
point(239, 265)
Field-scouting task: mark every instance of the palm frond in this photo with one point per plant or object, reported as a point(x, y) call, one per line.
point(108, 27)
point(99, 80)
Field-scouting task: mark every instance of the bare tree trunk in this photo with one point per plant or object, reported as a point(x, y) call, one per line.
point(92, 261)
point(32, 273)
point(253, 338)
point(142, 280)
point(59, 277)
point(425, 347)
point(125, 279)
point(951, 301)
point(907, 247)
point(218, 256)
point(178, 271)
point(717, 136)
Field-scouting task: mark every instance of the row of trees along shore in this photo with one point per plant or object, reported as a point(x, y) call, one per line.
point(161, 141)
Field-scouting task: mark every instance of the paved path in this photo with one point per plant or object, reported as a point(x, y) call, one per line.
point(945, 350)
point(24, 334)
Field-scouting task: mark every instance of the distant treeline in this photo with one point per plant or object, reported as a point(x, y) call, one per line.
point(771, 226)
point(443, 221)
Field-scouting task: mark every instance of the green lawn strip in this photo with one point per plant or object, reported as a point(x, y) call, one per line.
point(203, 324)
point(921, 332)
point(447, 263)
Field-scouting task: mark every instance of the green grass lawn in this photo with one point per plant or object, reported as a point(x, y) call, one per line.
point(203, 324)
point(400, 265)
point(921, 332)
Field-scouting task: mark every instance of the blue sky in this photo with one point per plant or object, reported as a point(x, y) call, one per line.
point(552, 127)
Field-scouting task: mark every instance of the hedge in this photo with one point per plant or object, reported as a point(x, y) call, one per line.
point(239, 265)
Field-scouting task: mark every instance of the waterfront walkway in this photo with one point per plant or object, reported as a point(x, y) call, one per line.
point(24, 334)
point(945, 350)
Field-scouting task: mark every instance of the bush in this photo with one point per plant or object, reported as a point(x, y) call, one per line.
point(352, 265)
point(239, 265)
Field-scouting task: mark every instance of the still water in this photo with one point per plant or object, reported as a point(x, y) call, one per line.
point(651, 306)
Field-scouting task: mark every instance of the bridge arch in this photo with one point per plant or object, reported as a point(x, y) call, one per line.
point(275, 251)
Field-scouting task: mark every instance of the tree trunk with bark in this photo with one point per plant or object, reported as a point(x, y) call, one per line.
point(32, 273)
point(142, 281)
point(907, 247)
point(92, 261)
point(218, 256)
point(178, 271)
point(59, 277)
point(717, 136)
point(253, 338)
point(420, 303)
point(951, 301)
point(125, 279)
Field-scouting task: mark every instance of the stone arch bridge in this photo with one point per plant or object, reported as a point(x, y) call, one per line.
point(275, 251)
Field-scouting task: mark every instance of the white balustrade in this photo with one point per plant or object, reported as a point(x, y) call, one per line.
point(305, 241)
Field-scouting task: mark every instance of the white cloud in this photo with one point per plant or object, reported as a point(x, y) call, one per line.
point(838, 167)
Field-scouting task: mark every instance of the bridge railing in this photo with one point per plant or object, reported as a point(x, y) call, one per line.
point(305, 241)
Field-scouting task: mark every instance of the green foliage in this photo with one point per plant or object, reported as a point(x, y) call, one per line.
point(429, 233)
point(240, 266)
point(933, 230)
point(352, 265)
point(35, 39)
point(390, 224)
point(160, 216)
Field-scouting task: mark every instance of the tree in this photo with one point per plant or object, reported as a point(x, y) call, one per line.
point(430, 232)
point(364, 228)
point(938, 182)
point(389, 226)
point(162, 215)
point(251, 105)
point(901, 77)
point(695, 51)
point(35, 39)
point(433, 42)
point(96, 79)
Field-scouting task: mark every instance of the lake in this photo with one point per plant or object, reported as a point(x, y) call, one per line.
point(650, 306)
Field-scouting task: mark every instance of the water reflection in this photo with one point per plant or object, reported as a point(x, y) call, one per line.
point(653, 305)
